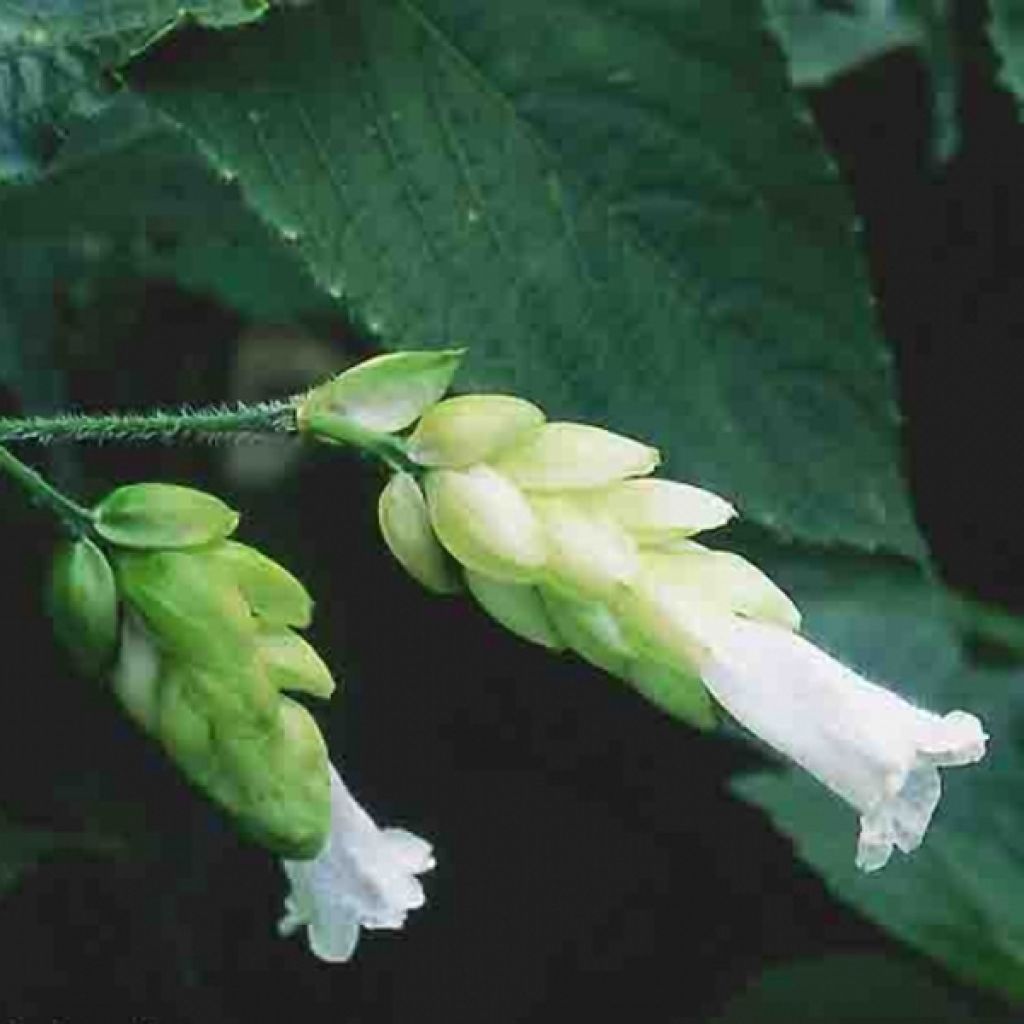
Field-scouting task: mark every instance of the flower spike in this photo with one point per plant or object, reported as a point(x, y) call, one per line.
point(566, 539)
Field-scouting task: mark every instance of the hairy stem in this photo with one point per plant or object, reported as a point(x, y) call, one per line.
point(209, 424)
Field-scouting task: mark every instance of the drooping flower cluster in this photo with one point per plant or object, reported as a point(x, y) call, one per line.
point(200, 636)
point(560, 533)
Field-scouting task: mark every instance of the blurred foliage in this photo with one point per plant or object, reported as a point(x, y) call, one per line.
point(823, 40)
point(1007, 33)
point(625, 211)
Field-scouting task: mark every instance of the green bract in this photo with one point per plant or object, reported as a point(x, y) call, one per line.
point(518, 607)
point(271, 776)
point(591, 630)
point(384, 394)
point(460, 431)
point(679, 693)
point(291, 663)
point(271, 591)
point(486, 523)
point(722, 578)
point(277, 783)
point(570, 456)
point(660, 510)
point(162, 516)
point(83, 603)
point(588, 557)
point(191, 606)
point(405, 525)
point(667, 625)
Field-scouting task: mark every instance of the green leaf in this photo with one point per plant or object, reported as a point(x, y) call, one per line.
point(824, 40)
point(28, 325)
point(153, 200)
point(49, 23)
point(958, 897)
point(41, 95)
point(1006, 30)
point(148, 171)
point(849, 988)
point(621, 211)
point(52, 53)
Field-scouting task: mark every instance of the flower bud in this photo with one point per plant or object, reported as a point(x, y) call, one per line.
point(83, 604)
point(517, 606)
point(269, 589)
point(588, 558)
point(291, 663)
point(459, 432)
point(655, 511)
point(162, 516)
point(592, 631)
point(571, 456)
point(486, 523)
point(191, 607)
point(405, 524)
point(682, 695)
point(385, 394)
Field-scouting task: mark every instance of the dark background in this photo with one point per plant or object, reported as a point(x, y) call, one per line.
point(589, 858)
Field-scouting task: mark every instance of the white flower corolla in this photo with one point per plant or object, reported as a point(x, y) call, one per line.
point(868, 745)
point(364, 876)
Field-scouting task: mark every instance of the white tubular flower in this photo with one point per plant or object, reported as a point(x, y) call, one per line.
point(868, 745)
point(364, 876)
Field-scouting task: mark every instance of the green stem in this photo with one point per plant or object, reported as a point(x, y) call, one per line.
point(386, 447)
point(43, 493)
point(210, 424)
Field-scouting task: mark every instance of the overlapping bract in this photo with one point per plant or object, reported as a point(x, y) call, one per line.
point(199, 635)
point(562, 535)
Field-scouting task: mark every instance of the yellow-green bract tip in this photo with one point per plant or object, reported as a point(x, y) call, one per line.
point(386, 393)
